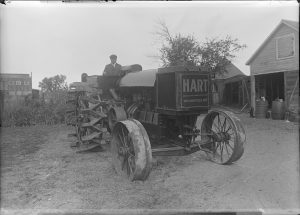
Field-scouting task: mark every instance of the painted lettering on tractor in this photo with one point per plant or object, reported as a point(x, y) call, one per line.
point(191, 85)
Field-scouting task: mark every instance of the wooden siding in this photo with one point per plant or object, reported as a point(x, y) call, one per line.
point(290, 79)
point(267, 62)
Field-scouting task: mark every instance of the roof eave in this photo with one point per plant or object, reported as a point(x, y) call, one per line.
point(288, 24)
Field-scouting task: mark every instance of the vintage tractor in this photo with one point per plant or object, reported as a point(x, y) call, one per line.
point(153, 113)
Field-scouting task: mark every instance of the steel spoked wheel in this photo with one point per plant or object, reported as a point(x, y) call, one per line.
point(131, 150)
point(225, 136)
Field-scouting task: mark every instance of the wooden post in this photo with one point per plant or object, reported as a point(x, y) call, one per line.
point(292, 94)
point(243, 92)
point(253, 96)
point(285, 89)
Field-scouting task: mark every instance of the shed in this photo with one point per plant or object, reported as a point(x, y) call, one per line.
point(231, 88)
point(274, 66)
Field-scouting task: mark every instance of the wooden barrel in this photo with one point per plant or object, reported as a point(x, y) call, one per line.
point(261, 109)
point(278, 110)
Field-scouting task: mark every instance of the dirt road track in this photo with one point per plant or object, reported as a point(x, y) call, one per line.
point(40, 171)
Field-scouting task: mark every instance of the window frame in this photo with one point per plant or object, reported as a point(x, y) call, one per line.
point(287, 35)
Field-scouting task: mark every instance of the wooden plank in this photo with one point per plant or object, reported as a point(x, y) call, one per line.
point(88, 147)
point(99, 114)
point(91, 136)
point(253, 92)
point(91, 123)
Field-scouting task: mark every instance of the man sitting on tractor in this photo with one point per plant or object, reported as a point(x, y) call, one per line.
point(112, 69)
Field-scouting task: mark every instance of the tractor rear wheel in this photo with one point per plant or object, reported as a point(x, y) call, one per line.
point(131, 150)
point(225, 136)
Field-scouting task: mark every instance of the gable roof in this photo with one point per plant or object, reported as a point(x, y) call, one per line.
point(292, 24)
point(232, 71)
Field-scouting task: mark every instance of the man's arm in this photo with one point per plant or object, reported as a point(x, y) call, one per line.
point(105, 70)
point(118, 66)
point(119, 70)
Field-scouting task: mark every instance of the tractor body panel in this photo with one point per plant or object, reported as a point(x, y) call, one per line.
point(180, 91)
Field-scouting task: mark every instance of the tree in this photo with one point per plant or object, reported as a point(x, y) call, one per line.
point(53, 84)
point(178, 49)
point(214, 54)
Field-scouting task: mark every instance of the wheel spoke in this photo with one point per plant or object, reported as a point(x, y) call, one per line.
point(123, 135)
point(130, 165)
point(129, 146)
point(216, 126)
point(219, 123)
point(228, 129)
point(226, 148)
point(221, 152)
point(230, 146)
point(216, 153)
point(121, 139)
point(213, 131)
point(231, 134)
point(216, 148)
point(224, 124)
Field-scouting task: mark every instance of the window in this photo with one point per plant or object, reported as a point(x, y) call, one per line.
point(18, 82)
point(285, 46)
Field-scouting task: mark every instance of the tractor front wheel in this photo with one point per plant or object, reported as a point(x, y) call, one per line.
point(131, 150)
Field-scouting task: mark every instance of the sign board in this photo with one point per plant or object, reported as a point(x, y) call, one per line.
point(195, 90)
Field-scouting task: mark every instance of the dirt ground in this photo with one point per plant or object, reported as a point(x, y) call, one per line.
point(39, 170)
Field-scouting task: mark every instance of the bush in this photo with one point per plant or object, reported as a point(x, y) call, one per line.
point(35, 112)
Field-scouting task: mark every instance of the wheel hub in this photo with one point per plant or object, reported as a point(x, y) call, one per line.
point(222, 136)
point(123, 151)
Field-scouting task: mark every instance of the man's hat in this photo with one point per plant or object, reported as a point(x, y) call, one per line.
point(113, 56)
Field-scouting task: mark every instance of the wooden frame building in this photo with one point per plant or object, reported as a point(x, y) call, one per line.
point(274, 67)
point(231, 88)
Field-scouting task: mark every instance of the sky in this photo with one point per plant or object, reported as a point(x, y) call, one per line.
point(52, 38)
